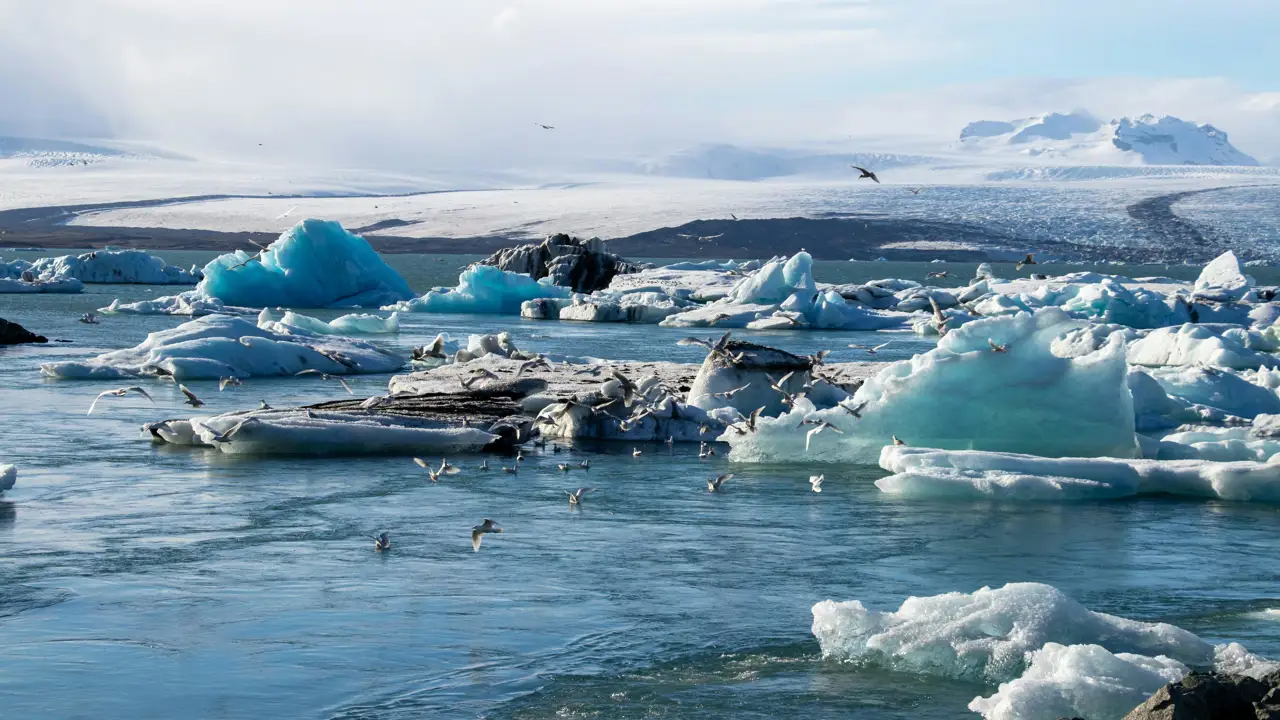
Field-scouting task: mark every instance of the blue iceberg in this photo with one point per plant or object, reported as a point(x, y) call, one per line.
point(315, 264)
point(484, 289)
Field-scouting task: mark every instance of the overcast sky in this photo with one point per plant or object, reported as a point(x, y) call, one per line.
point(399, 84)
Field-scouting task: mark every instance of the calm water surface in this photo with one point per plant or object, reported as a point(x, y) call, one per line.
point(139, 581)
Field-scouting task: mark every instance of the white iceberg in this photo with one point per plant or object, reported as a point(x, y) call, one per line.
point(969, 474)
point(1213, 345)
point(217, 346)
point(965, 394)
point(1079, 681)
point(483, 289)
point(1241, 394)
point(37, 285)
point(1230, 444)
point(1222, 280)
point(646, 307)
point(314, 264)
point(327, 432)
point(352, 324)
point(8, 477)
point(191, 303)
point(987, 635)
point(116, 266)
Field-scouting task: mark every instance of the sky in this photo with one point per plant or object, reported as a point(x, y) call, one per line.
point(408, 84)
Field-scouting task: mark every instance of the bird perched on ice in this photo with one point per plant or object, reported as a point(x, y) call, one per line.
point(89, 318)
point(327, 376)
point(575, 498)
point(191, 400)
point(119, 392)
point(228, 381)
point(713, 485)
point(816, 482)
point(896, 441)
point(382, 542)
point(262, 405)
point(865, 173)
point(479, 531)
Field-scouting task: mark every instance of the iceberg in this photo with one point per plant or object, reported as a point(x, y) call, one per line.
point(1222, 280)
point(483, 289)
point(36, 285)
point(314, 264)
point(986, 635)
point(964, 394)
point(1212, 345)
point(647, 307)
point(191, 303)
point(116, 266)
point(217, 346)
point(352, 324)
point(1079, 681)
point(1241, 394)
point(8, 477)
point(970, 474)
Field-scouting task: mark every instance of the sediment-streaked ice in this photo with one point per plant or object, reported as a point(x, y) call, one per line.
point(314, 264)
point(216, 346)
point(968, 474)
point(965, 394)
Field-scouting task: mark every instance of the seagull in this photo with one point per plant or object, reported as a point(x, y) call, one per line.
point(545, 127)
point(510, 470)
point(671, 441)
point(871, 350)
point(735, 217)
point(484, 465)
point(434, 350)
point(714, 484)
point(937, 274)
point(575, 498)
point(855, 411)
point(382, 542)
point(564, 467)
point(519, 456)
point(996, 347)
point(915, 191)
point(819, 426)
point(285, 214)
point(119, 392)
point(327, 376)
point(191, 400)
point(816, 482)
point(896, 441)
point(751, 421)
point(1028, 260)
point(635, 452)
point(434, 475)
point(629, 389)
point(585, 465)
point(89, 318)
point(532, 364)
point(717, 318)
point(228, 381)
point(478, 533)
point(865, 173)
point(226, 436)
point(262, 405)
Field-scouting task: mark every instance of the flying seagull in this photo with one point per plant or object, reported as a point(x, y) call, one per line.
point(382, 542)
point(327, 376)
point(819, 427)
point(575, 498)
point(191, 400)
point(871, 350)
point(434, 475)
point(545, 127)
point(937, 274)
point(478, 532)
point(865, 173)
point(285, 214)
point(915, 191)
point(714, 484)
point(89, 318)
point(119, 392)
point(996, 347)
point(816, 482)
point(228, 381)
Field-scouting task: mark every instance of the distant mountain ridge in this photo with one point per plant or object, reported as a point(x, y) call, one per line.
point(1081, 138)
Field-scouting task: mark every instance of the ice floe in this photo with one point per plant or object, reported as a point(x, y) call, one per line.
point(483, 289)
point(217, 346)
point(640, 306)
point(352, 324)
point(191, 303)
point(968, 474)
point(1220, 346)
point(314, 264)
point(993, 384)
point(32, 284)
point(116, 266)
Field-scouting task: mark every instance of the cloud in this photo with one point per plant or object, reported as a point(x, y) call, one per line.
point(406, 85)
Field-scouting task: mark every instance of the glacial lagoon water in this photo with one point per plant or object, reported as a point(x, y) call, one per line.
point(139, 581)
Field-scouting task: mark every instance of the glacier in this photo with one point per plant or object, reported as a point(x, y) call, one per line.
point(314, 264)
point(217, 346)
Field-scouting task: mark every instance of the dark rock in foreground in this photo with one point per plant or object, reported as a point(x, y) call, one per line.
point(1213, 696)
point(582, 265)
point(12, 333)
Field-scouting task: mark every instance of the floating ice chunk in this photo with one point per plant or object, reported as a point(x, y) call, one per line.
point(219, 345)
point(1219, 444)
point(776, 281)
point(1079, 681)
point(353, 324)
point(314, 264)
point(701, 284)
point(116, 266)
point(1211, 345)
point(326, 432)
point(925, 472)
point(484, 289)
point(37, 285)
point(986, 635)
point(191, 303)
point(1230, 392)
point(648, 307)
point(8, 477)
point(1154, 409)
point(964, 394)
point(1222, 280)
point(752, 373)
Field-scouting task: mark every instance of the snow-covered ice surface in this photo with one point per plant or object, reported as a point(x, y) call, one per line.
point(922, 472)
point(320, 432)
point(315, 264)
point(217, 346)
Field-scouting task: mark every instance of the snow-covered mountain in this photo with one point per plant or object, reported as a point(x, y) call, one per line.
point(1080, 138)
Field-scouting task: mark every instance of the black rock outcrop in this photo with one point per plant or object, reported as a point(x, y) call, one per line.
point(582, 265)
point(1213, 696)
point(12, 333)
